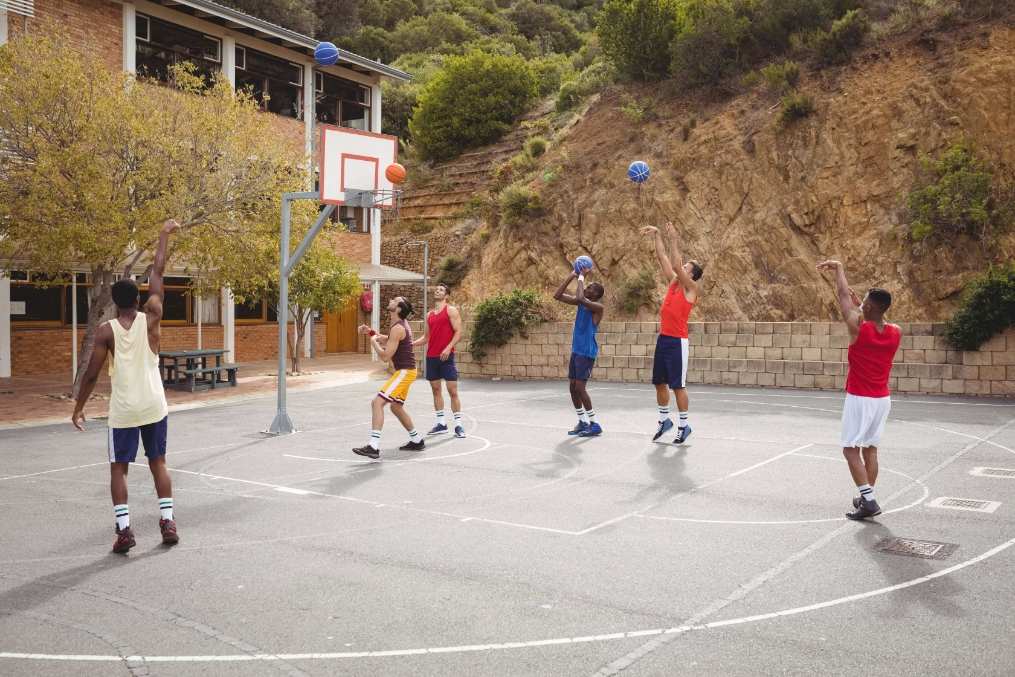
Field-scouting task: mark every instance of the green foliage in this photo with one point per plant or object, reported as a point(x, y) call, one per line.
point(707, 46)
point(795, 107)
point(546, 25)
point(473, 101)
point(502, 317)
point(953, 196)
point(637, 291)
point(419, 226)
point(428, 33)
point(297, 15)
point(837, 44)
point(987, 309)
point(451, 270)
point(635, 36)
point(638, 111)
point(549, 72)
point(535, 146)
point(781, 78)
point(517, 203)
point(372, 42)
point(589, 81)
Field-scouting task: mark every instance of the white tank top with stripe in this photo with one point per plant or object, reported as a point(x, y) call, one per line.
point(137, 397)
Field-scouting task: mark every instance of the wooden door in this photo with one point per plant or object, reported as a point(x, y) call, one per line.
point(342, 337)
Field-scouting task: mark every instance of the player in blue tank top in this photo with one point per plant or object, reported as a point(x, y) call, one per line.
point(584, 348)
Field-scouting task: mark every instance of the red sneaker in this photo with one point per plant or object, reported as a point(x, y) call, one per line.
point(168, 529)
point(124, 541)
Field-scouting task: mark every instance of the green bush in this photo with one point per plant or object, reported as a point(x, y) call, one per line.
point(781, 78)
point(535, 146)
point(517, 203)
point(953, 196)
point(795, 107)
point(546, 25)
point(472, 102)
point(549, 72)
point(588, 81)
point(987, 309)
point(451, 270)
point(708, 45)
point(635, 36)
point(430, 33)
point(837, 44)
point(638, 111)
point(502, 317)
point(637, 291)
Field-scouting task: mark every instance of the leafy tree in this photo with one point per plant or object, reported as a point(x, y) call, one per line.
point(429, 33)
point(473, 101)
point(636, 34)
point(90, 167)
point(545, 24)
point(297, 15)
point(709, 40)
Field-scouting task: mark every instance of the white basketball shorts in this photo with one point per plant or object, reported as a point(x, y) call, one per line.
point(863, 420)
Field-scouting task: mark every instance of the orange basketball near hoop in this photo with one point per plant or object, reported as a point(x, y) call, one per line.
point(395, 173)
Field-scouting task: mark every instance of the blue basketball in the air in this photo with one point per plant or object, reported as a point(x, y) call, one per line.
point(638, 171)
point(582, 263)
point(326, 53)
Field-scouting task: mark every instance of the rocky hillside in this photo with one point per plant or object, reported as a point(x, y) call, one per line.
point(759, 203)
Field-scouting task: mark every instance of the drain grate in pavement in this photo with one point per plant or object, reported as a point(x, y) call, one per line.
point(972, 504)
point(1008, 473)
point(913, 548)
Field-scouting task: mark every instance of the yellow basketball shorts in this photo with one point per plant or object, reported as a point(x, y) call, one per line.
point(396, 389)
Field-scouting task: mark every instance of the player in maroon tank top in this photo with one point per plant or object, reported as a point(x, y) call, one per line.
point(872, 347)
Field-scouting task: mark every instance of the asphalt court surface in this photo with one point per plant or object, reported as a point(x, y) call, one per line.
point(519, 550)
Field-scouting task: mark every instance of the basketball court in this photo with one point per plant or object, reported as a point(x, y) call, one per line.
point(519, 551)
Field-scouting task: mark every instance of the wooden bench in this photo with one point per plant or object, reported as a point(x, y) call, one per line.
point(192, 375)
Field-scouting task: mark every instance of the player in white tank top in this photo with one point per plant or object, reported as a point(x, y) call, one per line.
point(137, 403)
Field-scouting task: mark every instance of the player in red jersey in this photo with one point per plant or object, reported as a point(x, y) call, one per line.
point(872, 347)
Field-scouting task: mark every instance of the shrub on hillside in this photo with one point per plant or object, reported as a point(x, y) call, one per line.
point(546, 25)
point(535, 146)
point(795, 107)
point(550, 71)
point(473, 101)
point(781, 78)
point(451, 270)
point(635, 36)
point(589, 81)
point(987, 309)
point(517, 203)
point(502, 317)
point(708, 43)
point(837, 44)
point(953, 196)
point(637, 291)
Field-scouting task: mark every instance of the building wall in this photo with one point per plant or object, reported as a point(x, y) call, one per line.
point(353, 247)
point(82, 25)
point(48, 351)
point(773, 354)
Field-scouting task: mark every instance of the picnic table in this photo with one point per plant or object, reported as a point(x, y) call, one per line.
point(188, 369)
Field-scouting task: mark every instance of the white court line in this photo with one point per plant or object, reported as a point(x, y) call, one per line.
point(499, 646)
point(906, 400)
point(46, 472)
point(638, 433)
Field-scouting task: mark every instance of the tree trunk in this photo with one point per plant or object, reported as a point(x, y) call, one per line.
point(100, 309)
point(300, 314)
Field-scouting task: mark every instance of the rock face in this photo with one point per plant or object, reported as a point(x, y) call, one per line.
point(759, 204)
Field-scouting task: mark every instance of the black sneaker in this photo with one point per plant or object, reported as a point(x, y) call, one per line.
point(367, 451)
point(413, 446)
point(856, 501)
point(864, 510)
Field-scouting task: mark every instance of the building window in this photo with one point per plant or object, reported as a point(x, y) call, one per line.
point(256, 312)
point(161, 45)
point(275, 82)
point(341, 102)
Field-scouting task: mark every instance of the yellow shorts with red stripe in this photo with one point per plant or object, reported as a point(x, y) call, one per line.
point(396, 389)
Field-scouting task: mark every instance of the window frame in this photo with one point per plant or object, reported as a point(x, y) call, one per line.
point(267, 81)
point(320, 94)
point(204, 62)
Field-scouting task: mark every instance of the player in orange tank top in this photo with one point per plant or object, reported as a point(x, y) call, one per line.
point(669, 366)
point(873, 343)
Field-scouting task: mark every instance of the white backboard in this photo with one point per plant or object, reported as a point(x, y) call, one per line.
point(351, 159)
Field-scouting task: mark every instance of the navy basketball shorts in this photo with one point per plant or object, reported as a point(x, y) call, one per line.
point(123, 441)
point(580, 367)
point(669, 367)
point(441, 370)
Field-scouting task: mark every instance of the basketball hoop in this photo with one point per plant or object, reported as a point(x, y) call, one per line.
point(388, 200)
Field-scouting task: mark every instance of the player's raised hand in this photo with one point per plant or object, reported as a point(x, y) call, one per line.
point(649, 230)
point(829, 265)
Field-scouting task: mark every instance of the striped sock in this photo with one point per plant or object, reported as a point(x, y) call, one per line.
point(683, 419)
point(166, 508)
point(458, 418)
point(866, 492)
point(414, 436)
point(580, 413)
point(591, 414)
point(664, 413)
point(440, 417)
point(375, 439)
point(122, 516)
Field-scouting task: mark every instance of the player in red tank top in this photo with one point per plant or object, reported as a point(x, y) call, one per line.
point(872, 347)
point(442, 332)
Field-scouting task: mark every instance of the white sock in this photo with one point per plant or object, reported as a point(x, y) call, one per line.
point(375, 439)
point(866, 492)
point(591, 414)
point(440, 417)
point(122, 516)
point(166, 508)
point(458, 418)
point(664, 413)
point(580, 413)
point(414, 436)
point(683, 419)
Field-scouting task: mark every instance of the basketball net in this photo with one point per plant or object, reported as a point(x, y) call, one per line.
point(388, 201)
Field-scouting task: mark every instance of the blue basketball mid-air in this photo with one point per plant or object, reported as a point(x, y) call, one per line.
point(582, 264)
point(326, 53)
point(638, 171)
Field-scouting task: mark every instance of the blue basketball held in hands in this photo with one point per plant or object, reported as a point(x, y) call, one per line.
point(326, 53)
point(582, 264)
point(638, 171)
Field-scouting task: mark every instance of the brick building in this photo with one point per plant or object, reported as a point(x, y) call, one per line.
point(39, 325)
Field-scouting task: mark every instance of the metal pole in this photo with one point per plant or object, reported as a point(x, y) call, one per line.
point(200, 312)
point(283, 425)
point(74, 328)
